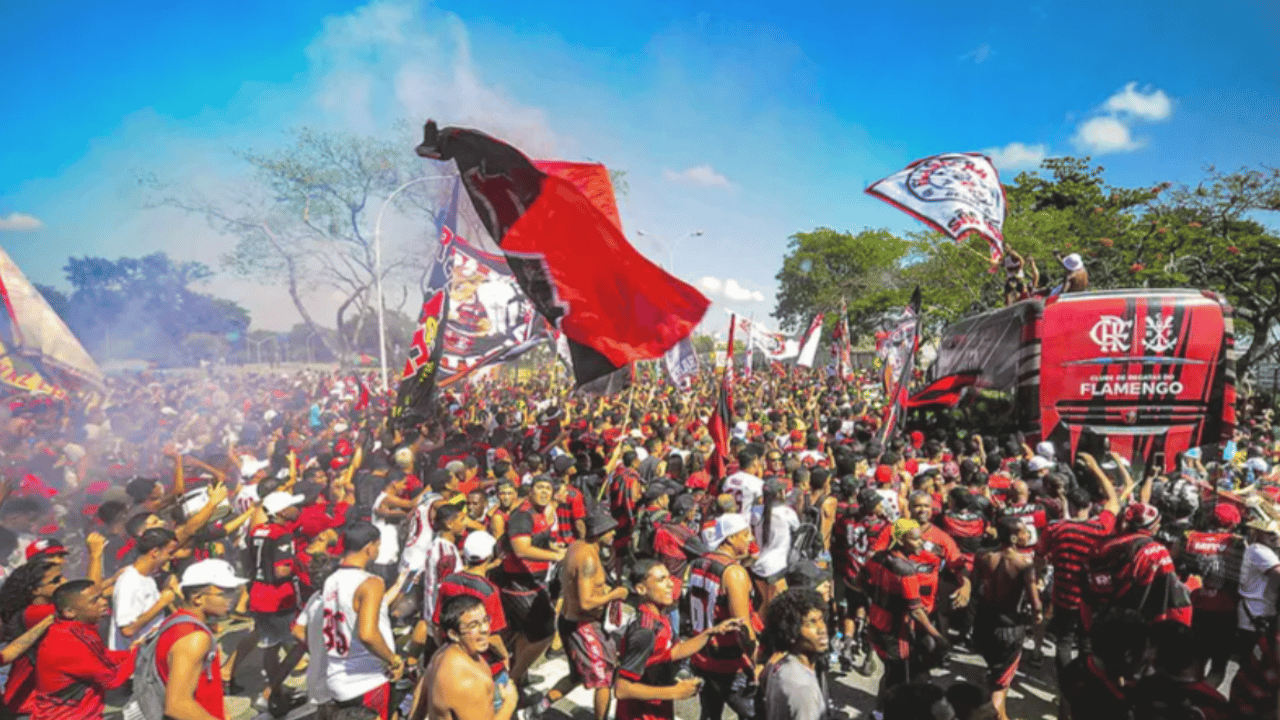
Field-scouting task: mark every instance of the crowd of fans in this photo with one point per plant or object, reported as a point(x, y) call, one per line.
point(425, 571)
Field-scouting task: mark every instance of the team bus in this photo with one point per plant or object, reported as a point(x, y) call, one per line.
point(1149, 372)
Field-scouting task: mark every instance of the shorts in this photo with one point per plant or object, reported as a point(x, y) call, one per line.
point(377, 702)
point(998, 638)
point(273, 627)
point(592, 655)
point(530, 611)
point(849, 597)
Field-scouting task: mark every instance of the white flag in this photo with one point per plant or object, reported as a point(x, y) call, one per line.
point(956, 193)
point(809, 348)
point(774, 345)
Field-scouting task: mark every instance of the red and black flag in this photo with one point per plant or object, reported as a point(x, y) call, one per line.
point(571, 259)
point(944, 392)
point(718, 427)
point(415, 400)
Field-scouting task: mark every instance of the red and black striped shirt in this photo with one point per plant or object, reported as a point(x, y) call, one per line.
point(1067, 545)
point(893, 583)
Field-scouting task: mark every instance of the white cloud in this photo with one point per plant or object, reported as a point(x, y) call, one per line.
point(1106, 134)
point(1112, 131)
point(734, 291)
point(1017, 156)
point(1152, 106)
point(730, 289)
point(979, 54)
point(703, 175)
point(20, 222)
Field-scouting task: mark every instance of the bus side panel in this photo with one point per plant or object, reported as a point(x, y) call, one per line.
point(1142, 370)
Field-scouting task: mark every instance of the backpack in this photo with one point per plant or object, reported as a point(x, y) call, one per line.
point(647, 531)
point(147, 702)
point(806, 544)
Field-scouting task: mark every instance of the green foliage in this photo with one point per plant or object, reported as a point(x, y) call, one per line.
point(144, 308)
point(703, 344)
point(825, 265)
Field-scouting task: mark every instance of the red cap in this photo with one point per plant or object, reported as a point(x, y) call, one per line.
point(45, 547)
point(884, 474)
point(501, 454)
point(1226, 515)
point(917, 439)
point(797, 435)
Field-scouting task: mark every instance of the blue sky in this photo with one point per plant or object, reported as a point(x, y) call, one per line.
point(748, 121)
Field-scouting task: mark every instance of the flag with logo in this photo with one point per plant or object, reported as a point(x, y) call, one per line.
point(775, 346)
point(897, 350)
point(954, 193)
point(568, 255)
point(416, 396)
point(809, 345)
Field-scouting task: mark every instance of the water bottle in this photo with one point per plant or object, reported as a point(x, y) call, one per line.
point(833, 650)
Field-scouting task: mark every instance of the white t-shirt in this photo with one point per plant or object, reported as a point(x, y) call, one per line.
point(773, 554)
point(312, 618)
point(133, 595)
point(745, 489)
point(1258, 588)
point(389, 550)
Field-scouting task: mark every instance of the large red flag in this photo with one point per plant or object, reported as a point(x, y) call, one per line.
point(612, 304)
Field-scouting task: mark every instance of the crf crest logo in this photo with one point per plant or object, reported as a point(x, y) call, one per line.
point(1113, 334)
point(1159, 337)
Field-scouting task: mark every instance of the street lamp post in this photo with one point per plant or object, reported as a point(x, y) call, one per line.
point(377, 278)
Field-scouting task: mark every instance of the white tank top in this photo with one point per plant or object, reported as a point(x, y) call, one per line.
point(353, 670)
point(389, 550)
point(419, 535)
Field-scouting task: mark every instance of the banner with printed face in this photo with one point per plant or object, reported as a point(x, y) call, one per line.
point(955, 193)
point(491, 320)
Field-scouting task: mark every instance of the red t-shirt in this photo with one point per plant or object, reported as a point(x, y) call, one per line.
point(19, 692)
point(74, 670)
point(209, 684)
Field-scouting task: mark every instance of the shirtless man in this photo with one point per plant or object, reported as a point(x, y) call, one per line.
point(1006, 581)
point(458, 683)
point(592, 656)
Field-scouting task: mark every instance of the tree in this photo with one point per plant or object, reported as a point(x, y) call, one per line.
point(703, 344)
point(306, 219)
point(824, 266)
point(144, 307)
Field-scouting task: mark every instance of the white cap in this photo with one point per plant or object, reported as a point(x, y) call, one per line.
point(340, 427)
point(726, 526)
point(249, 465)
point(1073, 262)
point(277, 501)
point(1045, 449)
point(211, 572)
point(1039, 463)
point(479, 545)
